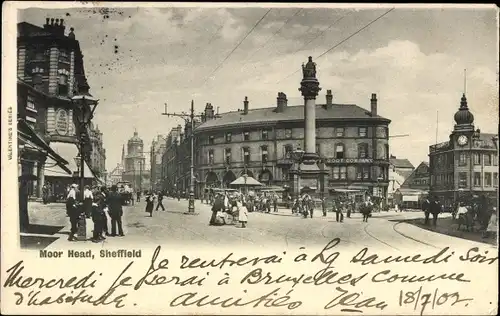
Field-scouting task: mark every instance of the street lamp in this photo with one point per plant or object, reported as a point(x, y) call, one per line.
point(84, 107)
point(297, 155)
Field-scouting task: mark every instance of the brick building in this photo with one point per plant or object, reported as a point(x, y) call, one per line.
point(351, 141)
point(50, 71)
point(467, 164)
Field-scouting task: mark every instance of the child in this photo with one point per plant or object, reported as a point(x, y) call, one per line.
point(242, 213)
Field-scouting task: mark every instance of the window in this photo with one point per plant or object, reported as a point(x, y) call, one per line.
point(462, 179)
point(211, 157)
point(339, 151)
point(477, 179)
point(228, 137)
point(228, 155)
point(462, 159)
point(30, 102)
point(264, 154)
point(63, 84)
point(495, 160)
point(339, 132)
point(363, 150)
point(246, 156)
point(246, 135)
point(362, 132)
point(476, 158)
point(339, 173)
point(363, 173)
point(288, 151)
point(495, 179)
point(288, 133)
point(265, 134)
point(386, 154)
point(211, 140)
point(63, 56)
point(487, 159)
point(487, 179)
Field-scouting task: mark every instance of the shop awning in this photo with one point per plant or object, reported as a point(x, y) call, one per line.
point(28, 137)
point(347, 190)
point(68, 151)
point(410, 198)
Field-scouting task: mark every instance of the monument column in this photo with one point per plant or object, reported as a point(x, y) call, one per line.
point(309, 87)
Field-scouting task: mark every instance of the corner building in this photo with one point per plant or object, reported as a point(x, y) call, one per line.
point(466, 164)
point(351, 142)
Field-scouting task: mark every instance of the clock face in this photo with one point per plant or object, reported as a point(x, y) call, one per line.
point(462, 140)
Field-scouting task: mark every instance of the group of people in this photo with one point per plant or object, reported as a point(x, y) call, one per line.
point(97, 203)
point(150, 201)
point(225, 206)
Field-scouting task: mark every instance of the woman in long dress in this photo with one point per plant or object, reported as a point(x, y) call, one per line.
point(242, 213)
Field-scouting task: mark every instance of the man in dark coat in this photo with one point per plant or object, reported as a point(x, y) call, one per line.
point(160, 201)
point(217, 207)
point(73, 211)
point(426, 204)
point(114, 202)
point(435, 208)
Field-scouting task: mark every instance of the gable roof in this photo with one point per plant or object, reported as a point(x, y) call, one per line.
point(269, 115)
point(408, 182)
point(401, 163)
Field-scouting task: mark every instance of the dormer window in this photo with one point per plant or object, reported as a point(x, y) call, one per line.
point(246, 135)
point(228, 137)
point(211, 140)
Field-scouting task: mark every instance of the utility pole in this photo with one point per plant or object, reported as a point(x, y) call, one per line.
point(189, 119)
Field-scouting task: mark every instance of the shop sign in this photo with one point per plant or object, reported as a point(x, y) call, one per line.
point(62, 122)
point(349, 160)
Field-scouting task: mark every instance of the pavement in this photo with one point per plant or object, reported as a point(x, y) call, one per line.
point(50, 228)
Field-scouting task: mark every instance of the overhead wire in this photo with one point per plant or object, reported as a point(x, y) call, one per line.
point(343, 41)
point(274, 34)
point(235, 48)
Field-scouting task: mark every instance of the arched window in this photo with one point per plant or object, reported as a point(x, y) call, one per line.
point(363, 150)
point(339, 151)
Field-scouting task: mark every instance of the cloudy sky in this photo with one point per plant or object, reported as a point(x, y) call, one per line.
point(414, 59)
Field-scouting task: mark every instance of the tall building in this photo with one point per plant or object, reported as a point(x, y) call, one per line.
point(158, 147)
point(50, 71)
point(134, 161)
point(98, 153)
point(466, 164)
point(351, 142)
point(170, 161)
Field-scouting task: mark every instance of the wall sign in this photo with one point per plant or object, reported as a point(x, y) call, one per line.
point(62, 122)
point(349, 160)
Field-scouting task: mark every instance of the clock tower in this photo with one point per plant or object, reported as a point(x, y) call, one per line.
point(464, 127)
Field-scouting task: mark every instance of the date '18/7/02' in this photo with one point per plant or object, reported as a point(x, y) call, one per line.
point(430, 299)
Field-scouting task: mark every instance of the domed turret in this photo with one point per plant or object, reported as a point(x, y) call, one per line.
point(135, 138)
point(463, 116)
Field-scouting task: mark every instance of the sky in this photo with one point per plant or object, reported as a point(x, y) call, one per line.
point(413, 59)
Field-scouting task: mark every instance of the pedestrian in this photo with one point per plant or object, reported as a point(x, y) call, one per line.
point(350, 207)
point(114, 202)
point(87, 201)
point(339, 215)
point(216, 208)
point(150, 203)
point(242, 213)
point(72, 211)
point(366, 209)
point(435, 208)
point(426, 208)
point(160, 201)
point(275, 203)
point(104, 214)
point(97, 210)
point(323, 206)
point(138, 193)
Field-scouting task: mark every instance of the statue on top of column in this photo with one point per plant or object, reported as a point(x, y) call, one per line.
point(309, 70)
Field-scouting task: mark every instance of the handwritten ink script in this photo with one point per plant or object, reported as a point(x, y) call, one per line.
point(265, 283)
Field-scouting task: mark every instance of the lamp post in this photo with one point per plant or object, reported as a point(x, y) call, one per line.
point(189, 119)
point(297, 156)
point(84, 107)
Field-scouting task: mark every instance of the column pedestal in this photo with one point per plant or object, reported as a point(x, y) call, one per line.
point(40, 172)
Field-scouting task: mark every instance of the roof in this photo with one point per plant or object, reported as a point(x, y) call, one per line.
point(487, 139)
point(291, 113)
point(401, 163)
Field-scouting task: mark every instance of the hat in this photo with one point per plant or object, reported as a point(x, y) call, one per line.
point(74, 185)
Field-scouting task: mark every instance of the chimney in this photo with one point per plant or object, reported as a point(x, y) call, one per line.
point(209, 111)
point(245, 106)
point(329, 99)
point(281, 102)
point(373, 103)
